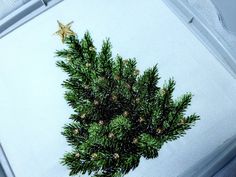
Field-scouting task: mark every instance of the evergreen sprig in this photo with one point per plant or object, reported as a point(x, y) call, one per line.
point(119, 114)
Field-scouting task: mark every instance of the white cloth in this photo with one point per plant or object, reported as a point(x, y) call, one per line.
point(7, 6)
point(220, 163)
point(214, 14)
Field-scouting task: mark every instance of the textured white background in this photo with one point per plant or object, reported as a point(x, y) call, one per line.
point(32, 107)
point(213, 10)
point(7, 6)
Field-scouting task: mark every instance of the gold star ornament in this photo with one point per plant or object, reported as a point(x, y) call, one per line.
point(65, 31)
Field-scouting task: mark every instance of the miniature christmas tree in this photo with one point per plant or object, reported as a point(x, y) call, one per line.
point(119, 114)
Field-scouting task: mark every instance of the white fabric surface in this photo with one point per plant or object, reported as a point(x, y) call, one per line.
point(32, 107)
point(7, 6)
point(212, 12)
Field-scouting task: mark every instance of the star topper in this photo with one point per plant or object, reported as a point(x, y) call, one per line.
point(64, 30)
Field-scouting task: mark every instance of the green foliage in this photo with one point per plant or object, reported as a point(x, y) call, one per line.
point(119, 115)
